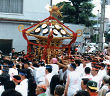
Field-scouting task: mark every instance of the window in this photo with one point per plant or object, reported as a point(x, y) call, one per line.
point(6, 45)
point(11, 6)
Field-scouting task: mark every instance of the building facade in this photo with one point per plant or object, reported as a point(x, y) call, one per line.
point(14, 13)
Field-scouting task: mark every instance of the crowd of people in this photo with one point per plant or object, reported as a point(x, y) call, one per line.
point(76, 75)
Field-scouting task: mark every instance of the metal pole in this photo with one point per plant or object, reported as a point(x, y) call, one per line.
point(97, 27)
point(50, 2)
point(101, 32)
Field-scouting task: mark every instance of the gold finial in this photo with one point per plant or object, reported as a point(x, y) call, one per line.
point(20, 28)
point(56, 10)
point(79, 33)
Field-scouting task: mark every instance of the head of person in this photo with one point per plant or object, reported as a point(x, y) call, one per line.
point(94, 71)
point(53, 61)
point(41, 63)
point(106, 79)
point(5, 70)
point(31, 87)
point(59, 90)
point(11, 92)
point(109, 84)
point(108, 69)
point(23, 74)
point(72, 67)
point(78, 62)
point(9, 85)
point(82, 93)
point(48, 69)
point(93, 63)
point(84, 83)
point(85, 60)
point(87, 70)
point(13, 50)
point(106, 47)
point(26, 65)
point(11, 65)
point(54, 81)
point(102, 66)
point(101, 60)
point(89, 59)
point(108, 51)
point(16, 79)
point(40, 89)
point(4, 79)
point(92, 86)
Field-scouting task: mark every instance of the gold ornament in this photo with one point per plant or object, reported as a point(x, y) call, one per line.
point(79, 33)
point(20, 28)
point(56, 10)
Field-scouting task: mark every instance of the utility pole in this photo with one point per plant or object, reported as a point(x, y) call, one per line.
point(101, 32)
point(50, 2)
point(97, 31)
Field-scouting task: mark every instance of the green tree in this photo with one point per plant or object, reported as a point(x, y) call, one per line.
point(78, 12)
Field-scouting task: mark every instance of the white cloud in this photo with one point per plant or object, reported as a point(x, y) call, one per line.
point(107, 11)
point(97, 4)
point(57, 1)
point(98, 7)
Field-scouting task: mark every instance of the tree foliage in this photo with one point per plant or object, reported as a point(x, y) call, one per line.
point(77, 12)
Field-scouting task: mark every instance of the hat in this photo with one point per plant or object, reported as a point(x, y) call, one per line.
point(48, 67)
point(17, 78)
point(92, 85)
point(23, 72)
point(42, 86)
point(98, 65)
point(73, 65)
point(95, 68)
point(27, 63)
point(108, 68)
point(41, 63)
point(54, 60)
point(5, 69)
point(106, 62)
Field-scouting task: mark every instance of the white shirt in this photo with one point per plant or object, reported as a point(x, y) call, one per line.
point(89, 65)
point(12, 72)
point(102, 73)
point(89, 76)
point(0, 72)
point(1, 89)
point(97, 79)
point(49, 77)
point(103, 90)
point(108, 94)
point(39, 75)
point(80, 70)
point(23, 87)
point(55, 69)
point(105, 51)
point(75, 83)
point(61, 74)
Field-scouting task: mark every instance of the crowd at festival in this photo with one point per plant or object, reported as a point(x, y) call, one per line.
point(86, 74)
